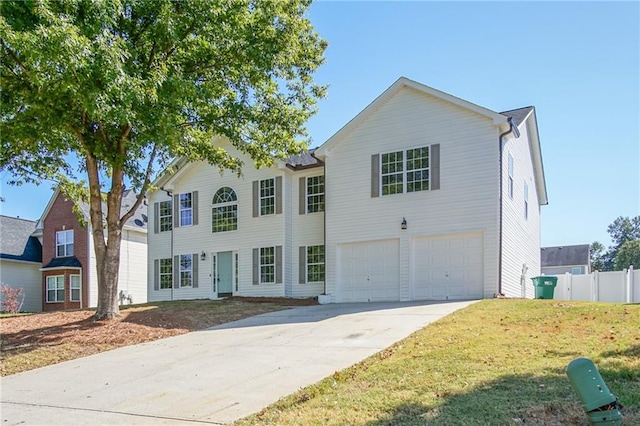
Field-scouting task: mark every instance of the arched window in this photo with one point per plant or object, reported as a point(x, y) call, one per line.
point(224, 210)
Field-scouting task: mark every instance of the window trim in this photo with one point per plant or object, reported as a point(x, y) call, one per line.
point(316, 194)
point(164, 274)
point(166, 217)
point(262, 265)
point(510, 173)
point(261, 198)
point(185, 209)
point(404, 172)
point(71, 288)
point(233, 203)
point(182, 270)
point(526, 200)
point(66, 244)
point(56, 289)
point(309, 264)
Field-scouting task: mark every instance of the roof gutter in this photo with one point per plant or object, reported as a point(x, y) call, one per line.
point(512, 129)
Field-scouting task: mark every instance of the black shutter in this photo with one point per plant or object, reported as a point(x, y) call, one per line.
point(375, 175)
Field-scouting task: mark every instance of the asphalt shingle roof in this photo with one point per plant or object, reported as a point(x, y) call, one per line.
point(304, 161)
point(64, 262)
point(16, 241)
point(565, 255)
point(518, 114)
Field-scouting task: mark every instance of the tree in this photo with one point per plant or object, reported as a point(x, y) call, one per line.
point(622, 230)
point(629, 254)
point(124, 86)
point(597, 255)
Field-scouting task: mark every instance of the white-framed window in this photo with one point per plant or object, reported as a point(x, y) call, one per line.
point(55, 288)
point(267, 197)
point(186, 209)
point(224, 210)
point(64, 243)
point(74, 284)
point(315, 194)
point(186, 270)
point(526, 201)
point(165, 273)
point(315, 263)
point(267, 265)
point(165, 216)
point(405, 171)
point(576, 270)
point(510, 179)
point(392, 171)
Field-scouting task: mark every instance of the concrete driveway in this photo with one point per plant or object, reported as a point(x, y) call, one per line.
point(216, 375)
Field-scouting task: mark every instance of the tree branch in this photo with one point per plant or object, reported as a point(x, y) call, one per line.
point(15, 57)
point(143, 188)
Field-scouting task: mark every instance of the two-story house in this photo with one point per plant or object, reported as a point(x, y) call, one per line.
point(69, 275)
point(420, 196)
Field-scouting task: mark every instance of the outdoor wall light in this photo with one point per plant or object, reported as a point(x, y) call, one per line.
point(403, 225)
point(203, 255)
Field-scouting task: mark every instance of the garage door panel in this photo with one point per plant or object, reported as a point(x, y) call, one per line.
point(448, 267)
point(376, 274)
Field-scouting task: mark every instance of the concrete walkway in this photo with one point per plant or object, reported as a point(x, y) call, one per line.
point(214, 376)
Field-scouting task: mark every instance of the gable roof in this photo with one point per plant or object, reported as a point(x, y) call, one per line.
point(519, 116)
point(136, 222)
point(16, 242)
point(565, 255)
point(402, 82)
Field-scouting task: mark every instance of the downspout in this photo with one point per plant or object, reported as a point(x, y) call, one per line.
point(512, 128)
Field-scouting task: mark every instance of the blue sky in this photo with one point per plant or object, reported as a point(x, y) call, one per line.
point(576, 62)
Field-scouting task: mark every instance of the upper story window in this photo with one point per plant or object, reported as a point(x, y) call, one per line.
point(510, 182)
point(64, 243)
point(405, 171)
point(315, 194)
point(165, 216)
point(267, 197)
point(224, 210)
point(186, 209)
point(526, 201)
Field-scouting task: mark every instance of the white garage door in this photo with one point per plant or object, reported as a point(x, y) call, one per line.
point(369, 271)
point(448, 267)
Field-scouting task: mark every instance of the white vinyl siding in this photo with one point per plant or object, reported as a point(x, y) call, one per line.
point(521, 235)
point(252, 232)
point(25, 275)
point(510, 178)
point(468, 180)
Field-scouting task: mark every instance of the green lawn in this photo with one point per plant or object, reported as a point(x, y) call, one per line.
point(497, 362)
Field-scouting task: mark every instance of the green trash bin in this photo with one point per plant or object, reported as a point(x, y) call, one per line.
point(544, 286)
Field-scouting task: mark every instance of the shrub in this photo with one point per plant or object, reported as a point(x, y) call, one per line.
point(12, 299)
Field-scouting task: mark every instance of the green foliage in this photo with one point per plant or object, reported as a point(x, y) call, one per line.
point(128, 81)
point(629, 254)
point(622, 230)
point(116, 89)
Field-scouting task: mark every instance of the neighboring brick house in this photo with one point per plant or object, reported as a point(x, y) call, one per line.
point(69, 276)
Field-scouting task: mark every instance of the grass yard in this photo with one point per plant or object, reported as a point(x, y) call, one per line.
point(498, 362)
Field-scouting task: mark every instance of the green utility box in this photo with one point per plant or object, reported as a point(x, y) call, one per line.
point(601, 405)
point(544, 286)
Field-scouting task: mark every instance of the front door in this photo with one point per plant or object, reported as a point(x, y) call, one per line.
point(225, 273)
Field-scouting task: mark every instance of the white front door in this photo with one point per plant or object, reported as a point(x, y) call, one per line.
point(369, 271)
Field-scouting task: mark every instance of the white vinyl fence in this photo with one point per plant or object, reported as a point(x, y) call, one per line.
point(615, 286)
